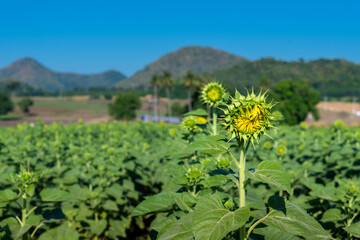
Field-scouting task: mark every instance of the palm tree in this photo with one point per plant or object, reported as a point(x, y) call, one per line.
point(191, 81)
point(154, 81)
point(167, 82)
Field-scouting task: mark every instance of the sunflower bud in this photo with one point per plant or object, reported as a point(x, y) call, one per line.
point(248, 117)
point(189, 123)
point(281, 150)
point(213, 93)
point(223, 163)
point(338, 124)
point(229, 204)
point(194, 174)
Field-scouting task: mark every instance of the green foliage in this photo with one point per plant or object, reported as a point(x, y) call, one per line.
point(295, 100)
point(108, 96)
point(118, 180)
point(6, 104)
point(218, 208)
point(81, 181)
point(25, 104)
point(178, 110)
point(330, 77)
point(125, 106)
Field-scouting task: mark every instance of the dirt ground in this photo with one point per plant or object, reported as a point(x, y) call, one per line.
point(331, 111)
point(70, 109)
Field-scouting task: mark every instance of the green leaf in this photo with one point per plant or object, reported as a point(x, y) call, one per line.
point(56, 195)
point(183, 200)
point(198, 112)
point(115, 191)
point(354, 229)
point(331, 215)
point(271, 173)
point(212, 221)
point(159, 202)
point(97, 227)
point(161, 221)
point(296, 221)
point(215, 181)
point(212, 145)
point(12, 225)
point(7, 195)
point(118, 228)
point(110, 206)
point(62, 232)
point(271, 233)
point(179, 230)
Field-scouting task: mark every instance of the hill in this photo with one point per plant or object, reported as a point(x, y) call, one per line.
point(36, 75)
point(197, 59)
point(330, 77)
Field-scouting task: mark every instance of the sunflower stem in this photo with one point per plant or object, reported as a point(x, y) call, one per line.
point(214, 121)
point(242, 186)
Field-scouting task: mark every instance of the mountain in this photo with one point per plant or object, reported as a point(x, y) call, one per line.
point(33, 73)
point(331, 77)
point(197, 59)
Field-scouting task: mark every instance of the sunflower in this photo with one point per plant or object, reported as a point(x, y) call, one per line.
point(201, 120)
point(189, 123)
point(281, 150)
point(213, 93)
point(247, 118)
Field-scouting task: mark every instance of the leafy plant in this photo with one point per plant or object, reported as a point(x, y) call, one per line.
point(25, 104)
point(125, 106)
point(211, 202)
point(5, 104)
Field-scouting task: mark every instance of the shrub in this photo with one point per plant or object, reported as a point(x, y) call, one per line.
point(24, 104)
point(125, 106)
point(296, 99)
point(6, 104)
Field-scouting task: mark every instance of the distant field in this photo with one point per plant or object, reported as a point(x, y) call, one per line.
point(10, 117)
point(70, 109)
point(93, 107)
point(59, 110)
point(50, 109)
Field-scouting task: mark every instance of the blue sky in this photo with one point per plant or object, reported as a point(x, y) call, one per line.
point(95, 36)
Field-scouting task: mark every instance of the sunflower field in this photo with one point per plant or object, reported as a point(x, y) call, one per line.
point(160, 181)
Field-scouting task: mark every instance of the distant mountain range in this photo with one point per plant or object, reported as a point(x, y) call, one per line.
point(197, 59)
point(332, 77)
point(33, 73)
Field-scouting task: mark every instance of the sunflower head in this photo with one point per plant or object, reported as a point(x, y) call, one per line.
point(189, 123)
point(201, 120)
point(223, 163)
point(248, 117)
point(357, 135)
point(338, 124)
point(352, 189)
point(267, 145)
point(194, 174)
point(281, 150)
point(213, 93)
point(303, 125)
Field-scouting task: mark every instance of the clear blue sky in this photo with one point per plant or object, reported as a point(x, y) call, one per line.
point(94, 36)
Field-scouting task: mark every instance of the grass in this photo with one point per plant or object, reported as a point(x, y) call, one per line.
point(99, 109)
point(10, 117)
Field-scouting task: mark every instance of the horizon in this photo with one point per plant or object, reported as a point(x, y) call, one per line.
point(127, 76)
point(84, 37)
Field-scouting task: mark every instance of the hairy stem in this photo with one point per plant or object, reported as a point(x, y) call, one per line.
point(257, 223)
point(242, 187)
point(214, 121)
